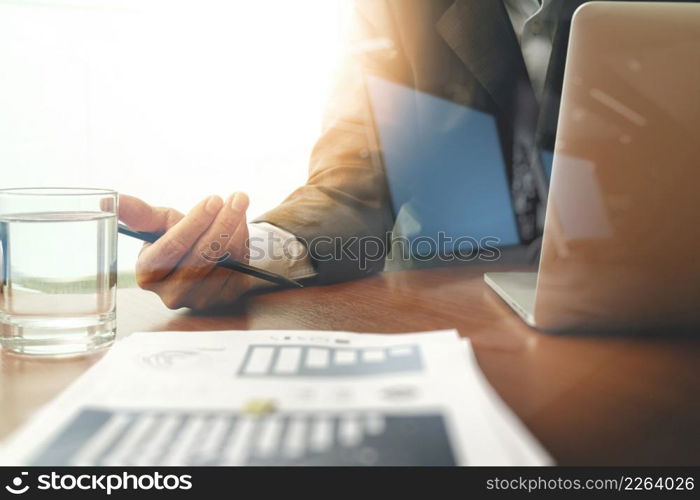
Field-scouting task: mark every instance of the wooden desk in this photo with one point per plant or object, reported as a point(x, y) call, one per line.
point(589, 399)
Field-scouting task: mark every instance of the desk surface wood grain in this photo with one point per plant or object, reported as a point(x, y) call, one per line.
point(589, 399)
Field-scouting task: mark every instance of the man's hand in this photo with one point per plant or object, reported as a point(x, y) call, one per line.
point(180, 266)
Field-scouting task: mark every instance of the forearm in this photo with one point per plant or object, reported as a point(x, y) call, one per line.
point(344, 208)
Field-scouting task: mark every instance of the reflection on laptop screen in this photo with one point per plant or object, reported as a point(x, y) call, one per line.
point(445, 170)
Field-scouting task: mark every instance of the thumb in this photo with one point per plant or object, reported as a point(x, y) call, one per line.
point(139, 215)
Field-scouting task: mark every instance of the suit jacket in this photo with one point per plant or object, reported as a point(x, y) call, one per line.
point(462, 50)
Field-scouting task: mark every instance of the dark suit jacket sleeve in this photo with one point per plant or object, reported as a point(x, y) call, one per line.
point(345, 203)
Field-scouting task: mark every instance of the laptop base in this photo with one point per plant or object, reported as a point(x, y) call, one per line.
point(517, 289)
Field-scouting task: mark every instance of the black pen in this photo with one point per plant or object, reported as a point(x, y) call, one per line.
point(226, 263)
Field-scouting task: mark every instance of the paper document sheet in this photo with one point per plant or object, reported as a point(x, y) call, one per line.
point(278, 398)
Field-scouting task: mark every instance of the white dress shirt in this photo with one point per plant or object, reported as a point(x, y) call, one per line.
point(535, 44)
point(279, 251)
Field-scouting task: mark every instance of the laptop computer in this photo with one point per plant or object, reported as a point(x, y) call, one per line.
point(621, 245)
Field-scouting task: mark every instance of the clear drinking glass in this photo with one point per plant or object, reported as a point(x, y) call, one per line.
point(58, 252)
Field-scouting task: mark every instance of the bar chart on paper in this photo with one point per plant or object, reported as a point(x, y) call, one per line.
point(145, 437)
point(275, 360)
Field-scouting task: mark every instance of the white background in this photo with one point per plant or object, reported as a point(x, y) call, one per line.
point(170, 101)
